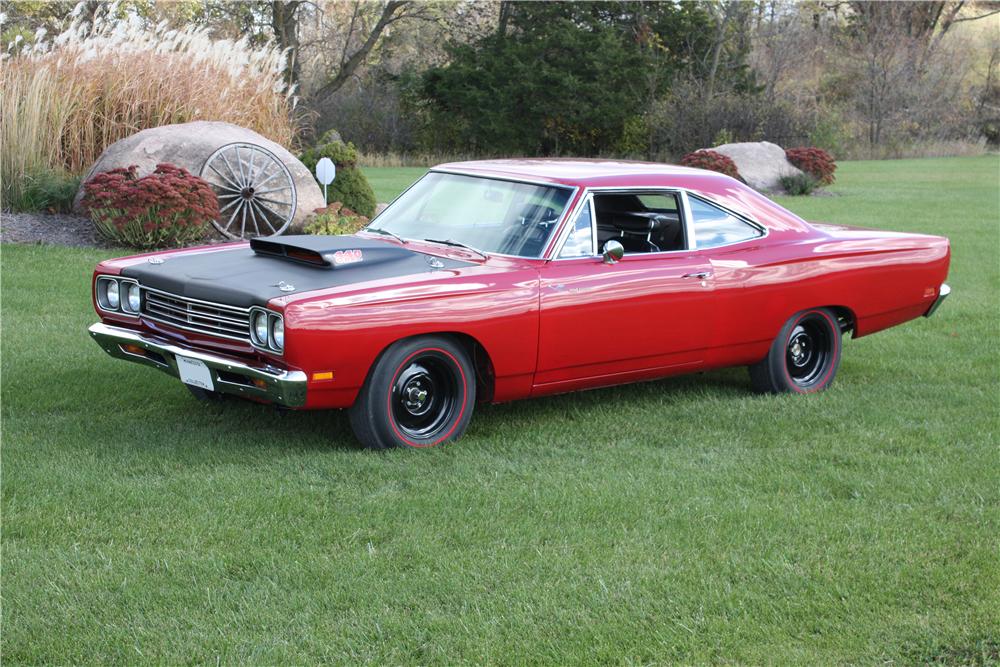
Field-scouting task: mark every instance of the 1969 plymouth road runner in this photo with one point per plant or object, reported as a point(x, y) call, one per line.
point(507, 279)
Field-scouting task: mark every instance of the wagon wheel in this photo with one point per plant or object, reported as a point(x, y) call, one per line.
point(255, 190)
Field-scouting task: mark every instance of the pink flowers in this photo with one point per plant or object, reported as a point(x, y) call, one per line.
point(814, 161)
point(168, 207)
point(711, 160)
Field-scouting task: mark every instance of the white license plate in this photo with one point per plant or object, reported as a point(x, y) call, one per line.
point(194, 373)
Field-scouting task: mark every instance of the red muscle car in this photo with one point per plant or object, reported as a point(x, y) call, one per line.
point(506, 279)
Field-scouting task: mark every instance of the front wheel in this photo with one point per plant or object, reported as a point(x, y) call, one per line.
point(420, 393)
point(803, 358)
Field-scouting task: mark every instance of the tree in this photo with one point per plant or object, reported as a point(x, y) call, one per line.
point(562, 77)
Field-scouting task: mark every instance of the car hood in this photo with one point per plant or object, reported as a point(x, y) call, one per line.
point(283, 266)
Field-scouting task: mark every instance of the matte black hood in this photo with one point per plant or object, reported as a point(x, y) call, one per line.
point(284, 265)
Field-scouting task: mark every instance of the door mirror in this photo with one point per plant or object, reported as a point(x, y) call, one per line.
point(613, 252)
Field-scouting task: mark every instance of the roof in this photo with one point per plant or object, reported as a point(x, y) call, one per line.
point(576, 172)
point(570, 171)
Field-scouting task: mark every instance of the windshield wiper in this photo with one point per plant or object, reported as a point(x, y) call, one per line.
point(379, 230)
point(459, 245)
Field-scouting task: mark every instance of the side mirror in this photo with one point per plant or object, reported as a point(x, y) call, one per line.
point(613, 252)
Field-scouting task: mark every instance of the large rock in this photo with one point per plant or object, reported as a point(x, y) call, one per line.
point(189, 145)
point(761, 164)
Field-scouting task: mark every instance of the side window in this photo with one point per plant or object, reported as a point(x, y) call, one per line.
point(579, 243)
point(714, 227)
point(643, 222)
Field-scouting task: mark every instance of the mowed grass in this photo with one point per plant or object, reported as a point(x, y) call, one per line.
point(684, 520)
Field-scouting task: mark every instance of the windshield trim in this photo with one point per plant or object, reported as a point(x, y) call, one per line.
point(557, 230)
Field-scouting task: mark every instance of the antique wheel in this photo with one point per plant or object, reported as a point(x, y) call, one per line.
point(420, 393)
point(255, 189)
point(803, 358)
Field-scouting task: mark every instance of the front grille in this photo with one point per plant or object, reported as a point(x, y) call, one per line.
point(213, 319)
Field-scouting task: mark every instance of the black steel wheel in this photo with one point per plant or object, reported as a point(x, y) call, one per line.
point(804, 357)
point(420, 393)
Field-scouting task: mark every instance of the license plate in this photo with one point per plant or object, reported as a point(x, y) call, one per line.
point(194, 373)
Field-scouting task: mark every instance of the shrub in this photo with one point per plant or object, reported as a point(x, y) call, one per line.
point(335, 219)
point(711, 160)
point(814, 161)
point(65, 101)
point(799, 184)
point(350, 186)
point(166, 208)
point(50, 191)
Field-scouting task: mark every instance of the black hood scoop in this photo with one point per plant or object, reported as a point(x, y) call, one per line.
point(283, 266)
point(328, 251)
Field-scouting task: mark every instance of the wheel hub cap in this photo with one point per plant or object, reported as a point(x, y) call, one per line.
point(416, 395)
point(800, 348)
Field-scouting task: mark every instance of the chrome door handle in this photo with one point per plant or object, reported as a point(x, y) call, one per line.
point(700, 275)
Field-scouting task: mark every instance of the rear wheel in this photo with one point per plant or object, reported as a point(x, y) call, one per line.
point(420, 393)
point(803, 358)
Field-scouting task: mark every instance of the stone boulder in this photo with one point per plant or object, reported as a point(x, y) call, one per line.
point(762, 164)
point(189, 145)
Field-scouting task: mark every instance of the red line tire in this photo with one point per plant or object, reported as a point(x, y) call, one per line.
point(420, 393)
point(803, 358)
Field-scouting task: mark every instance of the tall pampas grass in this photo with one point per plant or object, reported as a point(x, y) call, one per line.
point(64, 101)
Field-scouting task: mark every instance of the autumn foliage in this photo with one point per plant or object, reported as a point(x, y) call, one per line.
point(169, 207)
point(711, 160)
point(814, 161)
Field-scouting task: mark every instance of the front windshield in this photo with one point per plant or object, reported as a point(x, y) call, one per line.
point(487, 214)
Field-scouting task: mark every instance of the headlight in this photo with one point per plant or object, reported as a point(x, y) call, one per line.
point(278, 333)
point(114, 298)
point(132, 298)
point(260, 327)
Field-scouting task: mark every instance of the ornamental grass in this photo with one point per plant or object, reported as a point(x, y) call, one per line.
point(65, 101)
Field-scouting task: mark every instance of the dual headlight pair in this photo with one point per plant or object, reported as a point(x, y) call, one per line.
point(267, 329)
point(119, 295)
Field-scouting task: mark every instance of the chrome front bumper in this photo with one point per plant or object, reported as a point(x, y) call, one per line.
point(942, 295)
point(229, 376)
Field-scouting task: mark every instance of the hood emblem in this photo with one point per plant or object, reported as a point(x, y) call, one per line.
point(285, 287)
point(435, 263)
point(155, 260)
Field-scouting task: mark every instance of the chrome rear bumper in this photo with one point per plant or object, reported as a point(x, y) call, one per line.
point(942, 295)
point(229, 376)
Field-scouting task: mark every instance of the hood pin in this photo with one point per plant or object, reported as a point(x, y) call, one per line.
point(435, 263)
point(285, 287)
point(155, 260)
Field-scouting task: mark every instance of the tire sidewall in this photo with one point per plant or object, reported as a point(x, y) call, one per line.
point(393, 363)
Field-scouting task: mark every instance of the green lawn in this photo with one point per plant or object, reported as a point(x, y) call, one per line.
point(676, 521)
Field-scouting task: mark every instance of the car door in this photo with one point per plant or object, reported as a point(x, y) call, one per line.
point(646, 315)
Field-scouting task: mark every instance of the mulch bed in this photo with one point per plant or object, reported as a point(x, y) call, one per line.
point(62, 229)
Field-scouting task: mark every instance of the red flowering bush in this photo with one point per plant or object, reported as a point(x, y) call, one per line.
point(711, 160)
point(814, 161)
point(166, 208)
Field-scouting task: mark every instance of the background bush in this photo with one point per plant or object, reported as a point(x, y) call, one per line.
point(350, 185)
point(166, 208)
point(711, 160)
point(335, 219)
point(63, 103)
point(814, 161)
point(799, 184)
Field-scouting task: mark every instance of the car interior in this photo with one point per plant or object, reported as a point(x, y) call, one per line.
point(640, 222)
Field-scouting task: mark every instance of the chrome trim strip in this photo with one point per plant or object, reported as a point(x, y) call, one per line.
point(943, 293)
point(282, 386)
